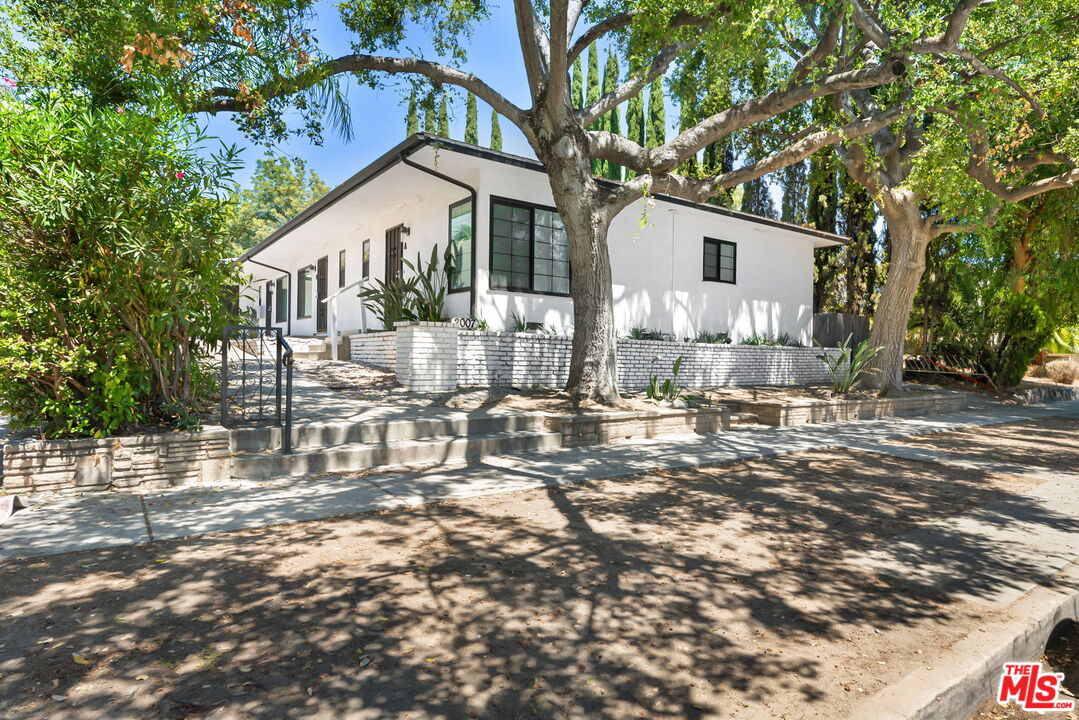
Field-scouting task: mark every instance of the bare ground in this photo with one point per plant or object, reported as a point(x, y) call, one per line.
point(366, 383)
point(1049, 442)
point(706, 593)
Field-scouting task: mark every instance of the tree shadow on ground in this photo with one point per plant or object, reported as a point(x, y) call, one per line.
point(680, 594)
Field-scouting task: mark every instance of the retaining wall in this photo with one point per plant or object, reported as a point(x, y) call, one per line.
point(161, 460)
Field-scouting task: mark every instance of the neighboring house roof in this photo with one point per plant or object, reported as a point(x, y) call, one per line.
point(415, 142)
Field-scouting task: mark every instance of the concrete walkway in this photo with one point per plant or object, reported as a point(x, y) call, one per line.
point(98, 520)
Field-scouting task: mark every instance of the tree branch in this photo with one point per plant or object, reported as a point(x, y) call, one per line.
point(666, 157)
point(223, 99)
point(957, 22)
point(632, 86)
point(700, 189)
point(617, 22)
point(530, 33)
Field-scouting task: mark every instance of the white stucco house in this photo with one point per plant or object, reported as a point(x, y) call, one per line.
point(678, 266)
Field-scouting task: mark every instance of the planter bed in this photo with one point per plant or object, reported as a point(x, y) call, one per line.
point(601, 429)
point(803, 412)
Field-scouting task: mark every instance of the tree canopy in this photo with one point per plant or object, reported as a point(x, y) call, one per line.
point(281, 187)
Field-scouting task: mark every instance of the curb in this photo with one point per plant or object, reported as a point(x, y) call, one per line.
point(957, 684)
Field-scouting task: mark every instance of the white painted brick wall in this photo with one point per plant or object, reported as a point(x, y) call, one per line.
point(429, 354)
point(378, 349)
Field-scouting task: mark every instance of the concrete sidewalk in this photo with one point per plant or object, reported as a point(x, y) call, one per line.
point(97, 520)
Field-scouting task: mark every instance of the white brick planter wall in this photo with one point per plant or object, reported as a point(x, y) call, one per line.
point(423, 352)
point(377, 349)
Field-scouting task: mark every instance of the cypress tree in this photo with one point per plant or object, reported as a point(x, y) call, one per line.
point(443, 118)
point(412, 121)
point(496, 132)
point(687, 118)
point(657, 116)
point(577, 85)
point(472, 133)
point(611, 122)
point(591, 94)
point(635, 124)
point(429, 125)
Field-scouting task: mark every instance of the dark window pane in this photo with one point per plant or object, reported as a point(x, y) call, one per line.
point(543, 284)
point(726, 250)
point(503, 212)
point(726, 275)
point(561, 285)
point(522, 215)
point(500, 279)
point(501, 261)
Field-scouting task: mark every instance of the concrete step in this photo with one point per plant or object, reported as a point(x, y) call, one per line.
point(315, 435)
point(363, 456)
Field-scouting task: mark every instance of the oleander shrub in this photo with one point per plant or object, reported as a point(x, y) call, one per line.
point(113, 271)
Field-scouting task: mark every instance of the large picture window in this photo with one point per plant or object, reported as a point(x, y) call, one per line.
point(461, 245)
point(304, 287)
point(720, 261)
point(529, 249)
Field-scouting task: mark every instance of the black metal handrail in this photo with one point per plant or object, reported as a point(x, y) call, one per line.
point(251, 380)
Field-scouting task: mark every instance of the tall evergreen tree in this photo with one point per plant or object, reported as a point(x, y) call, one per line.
point(443, 117)
point(281, 187)
point(656, 133)
point(592, 94)
point(430, 124)
point(577, 84)
point(757, 194)
point(795, 193)
point(412, 120)
point(635, 124)
point(472, 131)
point(496, 132)
point(611, 121)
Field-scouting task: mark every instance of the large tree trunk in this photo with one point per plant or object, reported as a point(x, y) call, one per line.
point(581, 201)
point(910, 235)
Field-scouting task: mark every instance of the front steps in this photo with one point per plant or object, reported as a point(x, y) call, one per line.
point(317, 348)
point(356, 446)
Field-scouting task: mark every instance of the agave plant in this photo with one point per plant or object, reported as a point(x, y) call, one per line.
point(848, 365)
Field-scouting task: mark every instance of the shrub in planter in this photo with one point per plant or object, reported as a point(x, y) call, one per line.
point(1062, 371)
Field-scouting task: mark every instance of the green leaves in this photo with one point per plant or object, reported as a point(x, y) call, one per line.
point(111, 265)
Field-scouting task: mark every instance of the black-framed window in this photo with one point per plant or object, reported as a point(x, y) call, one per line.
point(460, 240)
point(720, 261)
point(529, 248)
point(341, 269)
point(366, 259)
point(304, 286)
point(281, 297)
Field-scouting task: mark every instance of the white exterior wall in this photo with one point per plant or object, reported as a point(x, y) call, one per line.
point(657, 266)
point(658, 269)
point(401, 195)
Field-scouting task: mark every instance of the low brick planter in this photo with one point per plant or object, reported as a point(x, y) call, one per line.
point(803, 412)
point(161, 460)
point(601, 429)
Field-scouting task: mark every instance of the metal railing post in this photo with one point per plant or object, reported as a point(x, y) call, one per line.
point(286, 441)
point(277, 370)
point(224, 374)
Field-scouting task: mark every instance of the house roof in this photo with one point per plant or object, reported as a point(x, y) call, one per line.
point(415, 142)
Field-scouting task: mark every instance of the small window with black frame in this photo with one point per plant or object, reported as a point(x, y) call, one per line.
point(720, 261)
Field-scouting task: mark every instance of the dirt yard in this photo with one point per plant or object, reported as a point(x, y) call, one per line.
point(707, 593)
point(1049, 442)
point(366, 383)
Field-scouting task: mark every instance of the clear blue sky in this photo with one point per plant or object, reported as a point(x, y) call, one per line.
point(378, 116)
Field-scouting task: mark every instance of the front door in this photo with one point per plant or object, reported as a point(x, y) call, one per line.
point(394, 253)
point(322, 290)
point(269, 304)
